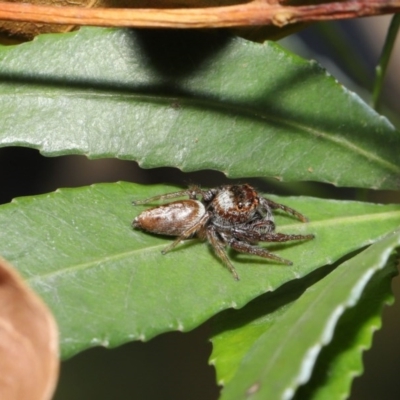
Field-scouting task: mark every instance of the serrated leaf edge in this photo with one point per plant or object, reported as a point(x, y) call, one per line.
point(327, 334)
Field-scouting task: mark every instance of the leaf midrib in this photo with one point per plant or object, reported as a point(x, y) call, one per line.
point(213, 105)
point(334, 315)
point(323, 223)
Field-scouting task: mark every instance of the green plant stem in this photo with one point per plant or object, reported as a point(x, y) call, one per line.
point(380, 69)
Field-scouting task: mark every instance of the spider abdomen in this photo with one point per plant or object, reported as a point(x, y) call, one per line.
point(170, 219)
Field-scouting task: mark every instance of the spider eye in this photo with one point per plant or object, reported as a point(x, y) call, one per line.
point(240, 206)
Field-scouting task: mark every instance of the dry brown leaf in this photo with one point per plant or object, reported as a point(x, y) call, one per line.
point(29, 360)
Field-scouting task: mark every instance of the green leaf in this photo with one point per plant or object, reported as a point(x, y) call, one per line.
point(283, 357)
point(341, 361)
point(387, 50)
point(108, 284)
point(236, 331)
point(191, 100)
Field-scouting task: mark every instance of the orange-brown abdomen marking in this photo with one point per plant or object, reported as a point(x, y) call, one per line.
point(170, 219)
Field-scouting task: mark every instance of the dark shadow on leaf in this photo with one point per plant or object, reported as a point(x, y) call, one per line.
point(271, 301)
point(175, 54)
point(159, 65)
point(268, 302)
point(168, 65)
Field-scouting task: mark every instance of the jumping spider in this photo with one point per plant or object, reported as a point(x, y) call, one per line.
point(231, 215)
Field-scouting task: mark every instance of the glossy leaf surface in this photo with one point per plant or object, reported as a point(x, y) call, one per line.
point(342, 359)
point(192, 100)
point(236, 331)
point(301, 332)
point(108, 284)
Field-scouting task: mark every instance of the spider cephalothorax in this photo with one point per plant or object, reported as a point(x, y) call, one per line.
point(229, 215)
point(232, 205)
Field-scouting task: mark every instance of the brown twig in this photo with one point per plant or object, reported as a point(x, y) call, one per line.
point(253, 13)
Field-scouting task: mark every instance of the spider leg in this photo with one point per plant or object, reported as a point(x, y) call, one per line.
point(269, 203)
point(257, 236)
point(219, 246)
point(244, 247)
point(282, 237)
point(188, 233)
point(192, 192)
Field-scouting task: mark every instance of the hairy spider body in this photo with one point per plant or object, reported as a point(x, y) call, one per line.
point(233, 205)
point(170, 219)
point(231, 215)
